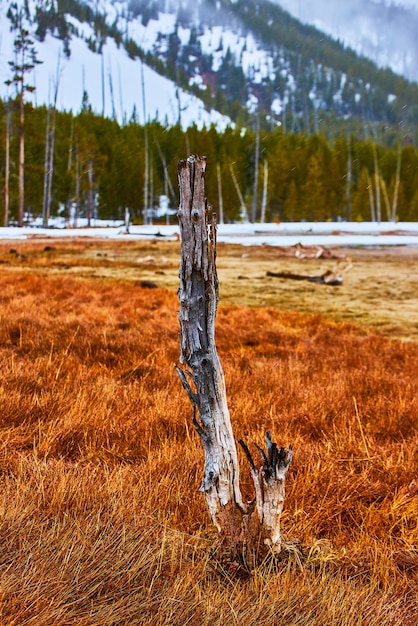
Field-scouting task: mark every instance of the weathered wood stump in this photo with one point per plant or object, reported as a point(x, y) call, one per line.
point(243, 525)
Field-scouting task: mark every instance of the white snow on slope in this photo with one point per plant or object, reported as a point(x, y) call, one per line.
point(119, 77)
point(114, 73)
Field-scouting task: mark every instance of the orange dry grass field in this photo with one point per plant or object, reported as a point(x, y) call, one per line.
point(101, 520)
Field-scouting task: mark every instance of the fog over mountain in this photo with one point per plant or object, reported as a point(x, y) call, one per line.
point(383, 30)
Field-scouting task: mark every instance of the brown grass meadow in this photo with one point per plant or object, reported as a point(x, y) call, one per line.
point(101, 519)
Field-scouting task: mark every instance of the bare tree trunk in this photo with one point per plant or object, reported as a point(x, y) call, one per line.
point(49, 152)
point(21, 160)
point(168, 185)
point(151, 192)
point(103, 85)
point(256, 166)
point(90, 193)
point(265, 187)
point(46, 168)
point(396, 191)
point(385, 198)
point(221, 202)
point(122, 108)
point(244, 526)
point(244, 212)
point(112, 98)
point(371, 198)
point(378, 204)
point(70, 205)
point(146, 212)
point(7, 168)
point(50, 166)
point(377, 186)
point(77, 187)
point(127, 220)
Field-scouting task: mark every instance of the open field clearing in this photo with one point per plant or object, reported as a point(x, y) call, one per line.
point(101, 520)
point(380, 291)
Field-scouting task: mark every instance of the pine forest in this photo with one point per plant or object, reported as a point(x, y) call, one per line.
point(99, 170)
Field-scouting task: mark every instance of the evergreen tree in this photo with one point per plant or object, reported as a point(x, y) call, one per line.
point(25, 59)
point(412, 215)
point(361, 198)
point(314, 192)
point(291, 205)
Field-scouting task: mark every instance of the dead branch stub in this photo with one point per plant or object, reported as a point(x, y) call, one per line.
point(242, 524)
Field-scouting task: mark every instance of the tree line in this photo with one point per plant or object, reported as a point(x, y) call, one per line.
point(100, 168)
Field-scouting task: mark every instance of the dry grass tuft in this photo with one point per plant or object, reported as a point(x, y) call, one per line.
point(101, 520)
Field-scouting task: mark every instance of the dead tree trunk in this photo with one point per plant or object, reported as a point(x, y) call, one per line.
point(7, 167)
point(242, 524)
point(21, 205)
point(397, 183)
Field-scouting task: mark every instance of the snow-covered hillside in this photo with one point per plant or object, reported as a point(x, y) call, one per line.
point(113, 81)
point(234, 58)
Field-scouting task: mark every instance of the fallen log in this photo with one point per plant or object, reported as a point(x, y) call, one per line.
point(332, 277)
point(313, 252)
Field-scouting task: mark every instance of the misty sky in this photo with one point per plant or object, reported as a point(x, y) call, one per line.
point(299, 8)
point(388, 37)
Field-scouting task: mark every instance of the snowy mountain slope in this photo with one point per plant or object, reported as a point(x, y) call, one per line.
point(112, 80)
point(154, 36)
point(383, 30)
point(203, 56)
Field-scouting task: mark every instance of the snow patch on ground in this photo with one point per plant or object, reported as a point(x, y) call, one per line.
point(289, 234)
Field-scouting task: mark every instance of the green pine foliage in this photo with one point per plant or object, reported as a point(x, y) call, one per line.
point(307, 174)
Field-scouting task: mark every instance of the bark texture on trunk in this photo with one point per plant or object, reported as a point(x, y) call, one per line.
point(7, 167)
point(198, 296)
point(243, 524)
